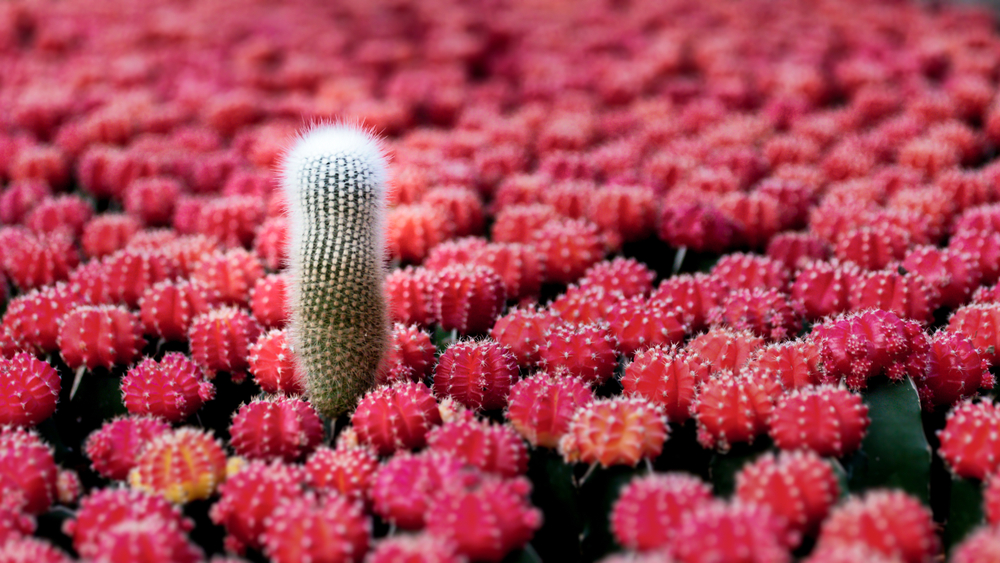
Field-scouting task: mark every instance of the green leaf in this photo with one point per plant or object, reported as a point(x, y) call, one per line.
point(894, 453)
point(966, 510)
point(553, 491)
point(597, 495)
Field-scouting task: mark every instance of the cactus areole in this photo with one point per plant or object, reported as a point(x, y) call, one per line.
point(334, 183)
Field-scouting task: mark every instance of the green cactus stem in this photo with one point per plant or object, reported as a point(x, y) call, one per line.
point(334, 183)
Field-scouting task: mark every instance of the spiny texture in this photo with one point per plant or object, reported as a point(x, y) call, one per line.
point(331, 529)
point(273, 364)
point(28, 468)
point(981, 323)
point(285, 428)
point(828, 420)
point(726, 350)
point(731, 409)
point(221, 339)
point(588, 351)
point(478, 374)
point(969, 441)
point(486, 516)
point(651, 509)
point(541, 407)
point(183, 465)
point(799, 487)
point(983, 546)
point(890, 522)
point(793, 364)
point(768, 313)
point(100, 336)
point(416, 548)
point(347, 469)
point(615, 431)
point(29, 390)
point(956, 371)
point(731, 533)
point(146, 540)
point(334, 183)
point(172, 388)
point(248, 498)
point(32, 550)
point(859, 346)
point(491, 448)
point(524, 330)
point(114, 448)
point(638, 324)
point(668, 377)
point(396, 417)
point(411, 347)
point(405, 485)
point(168, 307)
point(467, 298)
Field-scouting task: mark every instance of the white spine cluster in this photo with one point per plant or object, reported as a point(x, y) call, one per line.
point(334, 183)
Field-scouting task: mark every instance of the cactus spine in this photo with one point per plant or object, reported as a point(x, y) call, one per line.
point(334, 179)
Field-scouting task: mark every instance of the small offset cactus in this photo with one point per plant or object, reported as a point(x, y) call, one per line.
point(334, 182)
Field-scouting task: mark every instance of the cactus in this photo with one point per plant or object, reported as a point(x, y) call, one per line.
point(334, 180)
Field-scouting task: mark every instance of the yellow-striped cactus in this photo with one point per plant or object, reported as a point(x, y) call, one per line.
point(334, 183)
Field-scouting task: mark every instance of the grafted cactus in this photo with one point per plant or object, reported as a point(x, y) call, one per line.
point(334, 184)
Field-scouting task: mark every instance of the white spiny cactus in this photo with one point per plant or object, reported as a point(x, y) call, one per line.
point(334, 183)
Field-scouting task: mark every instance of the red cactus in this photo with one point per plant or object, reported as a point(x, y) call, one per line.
point(396, 417)
point(726, 350)
point(409, 292)
point(270, 243)
point(953, 275)
point(969, 444)
point(981, 546)
point(181, 465)
point(491, 448)
point(794, 364)
point(131, 271)
point(34, 261)
point(521, 223)
point(830, 421)
point(29, 390)
point(628, 211)
point(587, 351)
point(984, 247)
point(955, 371)
point(909, 296)
point(541, 407)
point(696, 294)
point(583, 305)
point(697, 226)
point(485, 516)
point(230, 274)
point(626, 276)
point(638, 324)
point(731, 409)
point(231, 220)
point(283, 428)
point(333, 529)
point(168, 307)
point(23, 550)
point(616, 431)
point(347, 470)
point(405, 485)
point(412, 230)
point(823, 288)
point(798, 487)
point(34, 318)
point(667, 377)
point(416, 548)
point(146, 540)
point(411, 347)
point(477, 374)
point(19, 198)
point(65, 212)
point(523, 331)
point(859, 346)
point(114, 448)
point(173, 388)
point(652, 508)
point(890, 522)
point(467, 299)
point(100, 336)
point(221, 339)
point(569, 248)
point(872, 248)
point(736, 533)
point(273, 364)
point(269, 301)
point(103, 509)
point(455, 251)
point(462, 206)
point(758, 216)
point(796, 250)
point(106, 234)
point(765, 312)
point(746, 271)
point(27, 469)
point(152, 199)
point(248, 498)
point(980, 322)
point(520, 267)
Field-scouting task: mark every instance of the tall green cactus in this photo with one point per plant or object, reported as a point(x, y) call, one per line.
point(334, 183)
